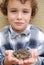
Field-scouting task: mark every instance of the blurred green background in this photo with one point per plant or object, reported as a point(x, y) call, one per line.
point(38, 20)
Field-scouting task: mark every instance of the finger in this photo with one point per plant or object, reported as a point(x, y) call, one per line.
point(7, 52)
point(21, 62)
point(33, 52)
point(13, 60)
point(29, 61)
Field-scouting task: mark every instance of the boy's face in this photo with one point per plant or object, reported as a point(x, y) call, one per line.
point(19, 14)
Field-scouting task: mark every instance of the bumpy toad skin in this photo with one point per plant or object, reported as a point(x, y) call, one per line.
point(22, 54)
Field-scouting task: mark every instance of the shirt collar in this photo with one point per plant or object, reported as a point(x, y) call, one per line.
point(26, 31)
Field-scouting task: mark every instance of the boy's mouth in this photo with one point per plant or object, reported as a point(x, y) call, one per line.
point(19, 23)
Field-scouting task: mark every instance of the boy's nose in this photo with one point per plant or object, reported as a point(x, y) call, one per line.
point(19, 16)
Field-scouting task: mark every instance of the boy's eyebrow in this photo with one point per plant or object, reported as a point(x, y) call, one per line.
point(13, 8)
point(26, 9)
point(23, 8)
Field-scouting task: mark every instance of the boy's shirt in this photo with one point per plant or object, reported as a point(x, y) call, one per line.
point(30, 38)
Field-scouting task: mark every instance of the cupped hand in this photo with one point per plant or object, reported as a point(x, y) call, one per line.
point(9, 59)
point(30, 60)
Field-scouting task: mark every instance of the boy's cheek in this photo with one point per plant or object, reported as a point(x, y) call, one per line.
point(10, 15)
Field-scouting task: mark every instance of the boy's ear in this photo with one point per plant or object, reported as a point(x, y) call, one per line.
point(6, 17)
point(31, 18)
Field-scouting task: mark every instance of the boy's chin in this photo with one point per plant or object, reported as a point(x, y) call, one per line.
point(20, 28)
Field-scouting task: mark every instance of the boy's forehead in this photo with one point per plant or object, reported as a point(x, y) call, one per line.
point(18, 2)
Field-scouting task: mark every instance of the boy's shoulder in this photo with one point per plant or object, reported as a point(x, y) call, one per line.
point(4, 30)
point(4, 35)
point(36, 33)
point(36, 29)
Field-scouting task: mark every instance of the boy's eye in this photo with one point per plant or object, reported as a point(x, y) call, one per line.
point(13, 10)
point(25, 11)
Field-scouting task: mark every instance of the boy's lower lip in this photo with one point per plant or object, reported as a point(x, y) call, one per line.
point(19, 23)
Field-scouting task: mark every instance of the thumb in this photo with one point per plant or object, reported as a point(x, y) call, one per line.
point(34, 52)
point(7, 52)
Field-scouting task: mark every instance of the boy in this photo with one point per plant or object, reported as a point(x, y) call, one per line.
point(20, 34)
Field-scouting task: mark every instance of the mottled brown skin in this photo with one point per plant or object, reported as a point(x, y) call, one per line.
point(22, 54)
